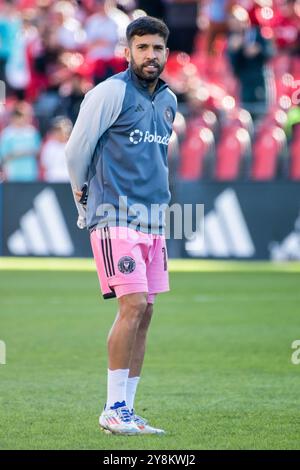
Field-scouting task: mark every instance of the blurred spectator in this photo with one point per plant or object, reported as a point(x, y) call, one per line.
point(14, 61)
point(8, 26)
point(103, 35)
point(154, 8)
point(19, 146)
point(248, 52)
point(286, 27)
point(120, 17)
point(181, 17)
point(66, 30)
point(53, 162)
point(72, 94)
point(48, 105)
point(127, 6)
point(217, 15)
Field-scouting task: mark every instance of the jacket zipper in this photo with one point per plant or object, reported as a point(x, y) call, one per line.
point(154, 115)
point(153, 106)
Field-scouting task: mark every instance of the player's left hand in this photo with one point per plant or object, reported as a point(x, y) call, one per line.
point(81, 222)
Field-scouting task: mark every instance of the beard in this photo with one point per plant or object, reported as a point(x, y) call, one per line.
point(145, 74)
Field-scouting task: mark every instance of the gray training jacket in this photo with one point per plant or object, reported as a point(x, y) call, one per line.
point(119, 146)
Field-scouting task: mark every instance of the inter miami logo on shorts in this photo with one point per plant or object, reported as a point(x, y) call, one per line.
point(126, 265)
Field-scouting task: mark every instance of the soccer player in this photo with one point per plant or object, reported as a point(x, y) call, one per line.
point(119, 147)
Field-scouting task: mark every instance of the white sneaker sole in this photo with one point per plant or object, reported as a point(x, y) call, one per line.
point(159, 432)
point(119, 433)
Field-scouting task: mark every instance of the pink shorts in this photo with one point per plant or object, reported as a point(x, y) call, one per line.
point(129, 261)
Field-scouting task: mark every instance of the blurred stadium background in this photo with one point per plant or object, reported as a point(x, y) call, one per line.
point(235, 68)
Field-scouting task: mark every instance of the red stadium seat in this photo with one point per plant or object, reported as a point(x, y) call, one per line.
point(267, 150)
point(295, 154)
point(206, 118)
point(232, 150)
point(194, 150)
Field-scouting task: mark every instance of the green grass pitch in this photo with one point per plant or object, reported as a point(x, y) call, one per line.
point(217, 374)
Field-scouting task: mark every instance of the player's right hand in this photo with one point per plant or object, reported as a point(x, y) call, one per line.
point(82, 196)
point(78, 195)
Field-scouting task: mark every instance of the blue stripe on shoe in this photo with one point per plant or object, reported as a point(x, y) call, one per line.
point(118, 404)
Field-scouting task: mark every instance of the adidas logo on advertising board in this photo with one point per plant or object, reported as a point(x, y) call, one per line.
point(43, 230)
point(225, 231)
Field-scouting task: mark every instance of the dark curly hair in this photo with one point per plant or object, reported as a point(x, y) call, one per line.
point(147, 25)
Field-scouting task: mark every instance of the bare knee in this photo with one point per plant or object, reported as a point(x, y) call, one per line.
point(133, 307)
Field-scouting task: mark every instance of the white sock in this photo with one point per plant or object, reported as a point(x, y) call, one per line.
point(116, 386)
point(132, 384)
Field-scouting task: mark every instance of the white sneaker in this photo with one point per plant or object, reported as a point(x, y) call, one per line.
point(118, 420)
point(144, 426)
